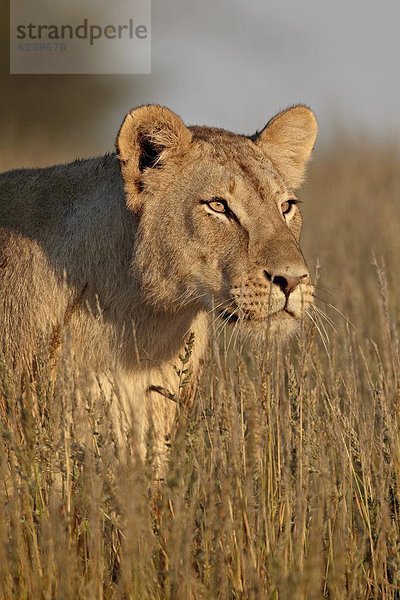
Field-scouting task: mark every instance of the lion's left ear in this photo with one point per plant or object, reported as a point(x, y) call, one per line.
point(288, 140)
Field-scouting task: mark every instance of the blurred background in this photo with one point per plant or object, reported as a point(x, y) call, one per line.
point(228, 63)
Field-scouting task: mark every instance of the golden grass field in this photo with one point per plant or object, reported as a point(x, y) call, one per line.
point(283, 481)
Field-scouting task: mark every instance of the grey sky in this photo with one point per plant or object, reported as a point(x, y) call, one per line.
point(235, 63)
point(228, 63)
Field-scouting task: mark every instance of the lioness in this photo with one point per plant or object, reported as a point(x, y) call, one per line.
point(131, 251)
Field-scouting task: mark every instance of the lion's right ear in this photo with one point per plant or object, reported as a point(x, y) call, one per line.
point(148, 137)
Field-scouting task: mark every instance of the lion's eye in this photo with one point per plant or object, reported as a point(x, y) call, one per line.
point(286, 206)
point(218, 205)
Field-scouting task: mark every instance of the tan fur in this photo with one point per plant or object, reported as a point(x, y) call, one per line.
point(126, 254)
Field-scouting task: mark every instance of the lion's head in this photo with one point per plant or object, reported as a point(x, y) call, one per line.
point(218, 218)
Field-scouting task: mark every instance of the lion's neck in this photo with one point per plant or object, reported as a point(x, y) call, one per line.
point(155, 336)
point(98, 265)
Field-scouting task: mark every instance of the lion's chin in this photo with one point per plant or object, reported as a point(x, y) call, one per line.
point(280, 325)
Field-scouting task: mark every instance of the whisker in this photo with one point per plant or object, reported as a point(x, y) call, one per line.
point(320, 333)
point(215, 307)
point(217, 318)
point(221, 327)
point(321, 324)
point(326, 290)
point(230, 339)
point(224, 321)
point(324, 316)
point(220, 319)
point(337, 310)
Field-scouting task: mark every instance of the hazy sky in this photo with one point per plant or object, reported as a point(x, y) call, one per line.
point(230, 63)
point(234, 63)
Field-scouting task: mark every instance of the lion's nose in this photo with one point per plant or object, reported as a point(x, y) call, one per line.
point(287, 283)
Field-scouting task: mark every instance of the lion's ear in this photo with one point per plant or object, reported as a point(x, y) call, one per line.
point(288, 140)
point(148, 136)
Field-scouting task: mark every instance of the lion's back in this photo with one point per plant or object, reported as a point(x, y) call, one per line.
point(35, 201)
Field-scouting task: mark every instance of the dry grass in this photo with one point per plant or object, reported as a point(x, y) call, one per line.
point(284, 482)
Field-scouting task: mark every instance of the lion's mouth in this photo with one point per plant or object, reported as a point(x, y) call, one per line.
point(232, 318)
point(229, 317)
